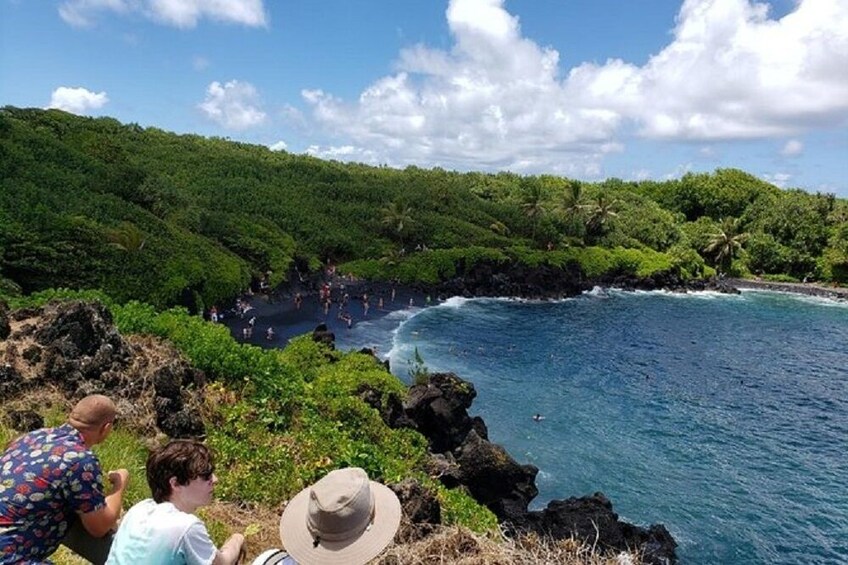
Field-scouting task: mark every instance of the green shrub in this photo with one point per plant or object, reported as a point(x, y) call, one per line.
point(458, 507)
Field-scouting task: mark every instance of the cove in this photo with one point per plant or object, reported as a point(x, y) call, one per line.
point(723, 417)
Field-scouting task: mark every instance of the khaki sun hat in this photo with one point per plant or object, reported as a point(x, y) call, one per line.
point(344, 518)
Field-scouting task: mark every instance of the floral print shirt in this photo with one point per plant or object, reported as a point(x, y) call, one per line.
point(46, 477)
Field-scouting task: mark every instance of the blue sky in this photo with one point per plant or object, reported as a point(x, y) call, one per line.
point(589, 89)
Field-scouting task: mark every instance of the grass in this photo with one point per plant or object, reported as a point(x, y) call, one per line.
point(277, 422)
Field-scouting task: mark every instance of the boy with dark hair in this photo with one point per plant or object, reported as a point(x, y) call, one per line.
point(164, 529)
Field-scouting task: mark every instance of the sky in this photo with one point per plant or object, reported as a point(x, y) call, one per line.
point(588, 89)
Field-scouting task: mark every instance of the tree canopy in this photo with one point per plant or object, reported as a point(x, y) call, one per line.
point(183, 219)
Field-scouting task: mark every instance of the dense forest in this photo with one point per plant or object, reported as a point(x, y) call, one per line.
point(183, 219)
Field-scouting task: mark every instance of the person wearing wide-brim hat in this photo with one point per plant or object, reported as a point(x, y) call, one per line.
point(344, 518)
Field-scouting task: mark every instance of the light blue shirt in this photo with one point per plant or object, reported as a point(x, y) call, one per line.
point(161, 534)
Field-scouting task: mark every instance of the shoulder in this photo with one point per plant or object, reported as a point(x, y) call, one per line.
point(162, 517)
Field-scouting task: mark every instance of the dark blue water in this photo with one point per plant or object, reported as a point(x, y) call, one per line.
point(723, 417)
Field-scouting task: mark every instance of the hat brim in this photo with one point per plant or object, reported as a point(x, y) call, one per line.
point(298, 541)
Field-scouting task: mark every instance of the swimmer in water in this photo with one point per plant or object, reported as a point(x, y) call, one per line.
point(538, 418)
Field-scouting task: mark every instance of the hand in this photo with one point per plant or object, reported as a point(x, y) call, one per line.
point(237, 540)
point(119, 478)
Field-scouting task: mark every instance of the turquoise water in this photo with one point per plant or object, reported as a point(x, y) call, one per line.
point(723, 417)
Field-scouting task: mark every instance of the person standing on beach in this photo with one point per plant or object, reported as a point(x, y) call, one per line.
point(52, 489)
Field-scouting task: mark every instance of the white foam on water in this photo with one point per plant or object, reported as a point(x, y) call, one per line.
point(454, 302)
point(597, 292)
point(807, 298)
point(690, 294)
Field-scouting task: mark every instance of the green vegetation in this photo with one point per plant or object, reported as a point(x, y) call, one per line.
point(279, 420)
point(89, 203)
point(159, 226)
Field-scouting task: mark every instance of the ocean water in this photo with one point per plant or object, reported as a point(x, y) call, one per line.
point(723, 417)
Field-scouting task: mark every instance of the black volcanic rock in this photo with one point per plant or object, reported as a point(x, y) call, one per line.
point(420, 505)
point(439, 410)
point(494, 478)
point(172, 415)
point(463, 456)
point(83, 326)
point(590, 519)
point(25, 420)
point(5, 327)
point(323, 335)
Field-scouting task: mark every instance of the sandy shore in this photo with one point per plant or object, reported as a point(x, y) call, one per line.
point(280, 311)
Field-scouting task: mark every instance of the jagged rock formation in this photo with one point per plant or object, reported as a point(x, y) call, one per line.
point(495, 279)
point(74, 347)
point(438, 409)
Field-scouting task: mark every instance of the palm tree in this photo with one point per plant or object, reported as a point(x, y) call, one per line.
point(127, 237)
point(391, 257)
point(601, 211)
point(533, 205)
point(572, 199)
point(398, 218)
point(572, 208)
point(725, 243)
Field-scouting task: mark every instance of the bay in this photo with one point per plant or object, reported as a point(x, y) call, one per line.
point(723, 417)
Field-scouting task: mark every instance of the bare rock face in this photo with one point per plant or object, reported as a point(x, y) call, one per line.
point(172, 415)
point(11, 381)
point(591, 518)
point(82, 327)
point(420, 506)
point(80, 343)
point(76, 347)
point(494, 478)
point(323, 335)
point(25, 420)
point(440, 410)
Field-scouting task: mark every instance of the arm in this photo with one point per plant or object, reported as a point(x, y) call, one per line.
point(101, 521)
point(230, 552)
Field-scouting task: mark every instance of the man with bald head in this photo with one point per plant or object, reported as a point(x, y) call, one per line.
point(52, 489)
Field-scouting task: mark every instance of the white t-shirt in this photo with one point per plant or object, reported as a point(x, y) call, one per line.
point(161, 534)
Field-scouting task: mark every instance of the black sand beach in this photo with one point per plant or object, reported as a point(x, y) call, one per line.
point(279, 310)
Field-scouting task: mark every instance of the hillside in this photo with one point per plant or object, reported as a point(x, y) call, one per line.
point(181, 219)
point(278, 420)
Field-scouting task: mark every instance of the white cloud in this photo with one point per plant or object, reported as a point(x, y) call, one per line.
point(178, 13)
point(733, 73)
point(79, 13)
point(793, 148)
point(279, 146)
point(344, 153)
point(778, 179)
point(77, 100)
point(498, 100)
point(234, 105)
